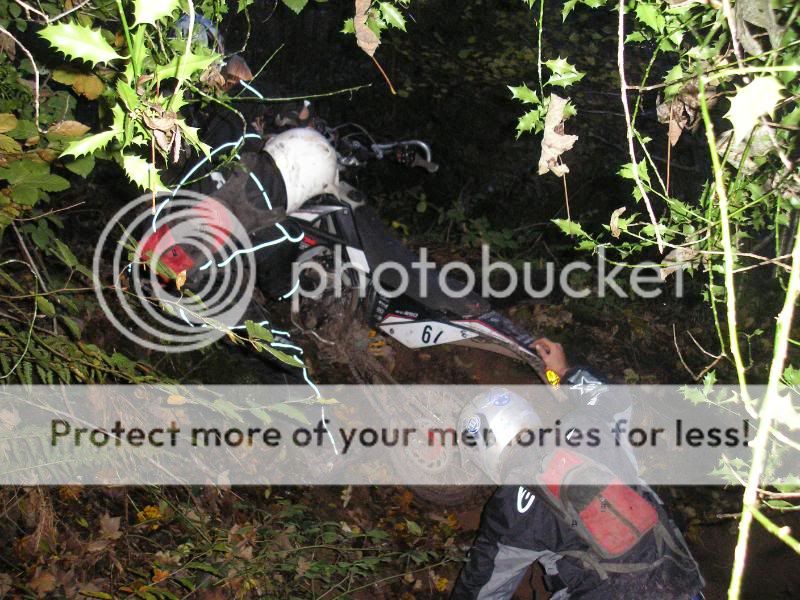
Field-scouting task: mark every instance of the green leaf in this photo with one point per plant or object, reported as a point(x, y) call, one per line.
point(183, 66)
point(90, 144)
point(142, 173)
point(650, 15)
point(65, 254)
point(77, 41)
point(296, 5)
point(568, 7)
point(413, 528)
point(524, 94)
point(349, 26)
point(7, 122)
point(128, 95)
point(256, 331)
point(33, 175)
point(190, 133)
point(24, 130)
point(45, 306)
point(289, 411)
point(571, 228)
point(70, 324)
point(205, 567)
point(9, 145)
point(93, 594)
point(564, 73)
point(393, 16)
point(753, 100)
point(150, 11)
point(675, 74)
point(529, 121)
point(83, 166)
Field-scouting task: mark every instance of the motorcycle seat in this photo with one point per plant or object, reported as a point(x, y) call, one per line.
point(380, 246)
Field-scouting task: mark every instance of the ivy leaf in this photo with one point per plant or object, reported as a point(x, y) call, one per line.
point(77, 41)
point(753, 100)
point(296, 5)
point(142, 173)
point(149, 11)
point(571, 228)
point(393, 16)
point(564, 74)
point(524, 94)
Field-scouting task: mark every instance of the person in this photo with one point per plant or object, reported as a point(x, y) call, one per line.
point(627, 549)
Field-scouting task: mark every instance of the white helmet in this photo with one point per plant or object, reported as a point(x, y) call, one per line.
point(307, 162)
point(493, 421)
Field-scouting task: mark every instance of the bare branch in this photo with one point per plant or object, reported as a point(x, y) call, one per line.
point(5, 31)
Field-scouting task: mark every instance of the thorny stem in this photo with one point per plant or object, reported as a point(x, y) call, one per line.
point(727, 244)
point(629, 127)
point(769, 408)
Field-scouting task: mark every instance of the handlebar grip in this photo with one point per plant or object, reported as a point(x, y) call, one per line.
point(430, 167)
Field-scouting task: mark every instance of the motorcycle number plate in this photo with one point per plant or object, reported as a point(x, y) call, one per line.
point(420, 334)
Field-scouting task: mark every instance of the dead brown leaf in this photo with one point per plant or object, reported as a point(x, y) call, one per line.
point(555, 142)
point(365, 37)
point(42, 584)
point(614, 225)
point(109, 527)
point(88, 85)
point(8, 46)
point(68, 129)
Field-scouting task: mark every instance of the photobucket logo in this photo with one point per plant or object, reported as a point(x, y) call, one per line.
point(458, 279)
point(176, 280)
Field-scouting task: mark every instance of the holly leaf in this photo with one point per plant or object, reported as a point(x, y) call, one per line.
point(150, 11)
point(142, 173)
point(183, 66)
point(570, 228)
point(650, 15)
point(90, 144)
point(348, 26)
point(78, 41)
point(568, 7)
point(524, 94)
point(753, 100)
point(392, 16)
point(564, 73)
point(531, 120)
point(190, 133)
point(296, 5)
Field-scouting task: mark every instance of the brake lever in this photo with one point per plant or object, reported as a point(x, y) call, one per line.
point(430, 167)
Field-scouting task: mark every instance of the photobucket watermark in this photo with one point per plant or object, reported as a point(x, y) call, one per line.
point(345, 269)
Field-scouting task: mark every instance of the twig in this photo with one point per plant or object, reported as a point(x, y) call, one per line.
point(50, 212)
point(30, 328)
point(680, 356)
point(35, 75)
point(67, 12)
point(629, 126)
point(784, 534)
point(30, 9)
